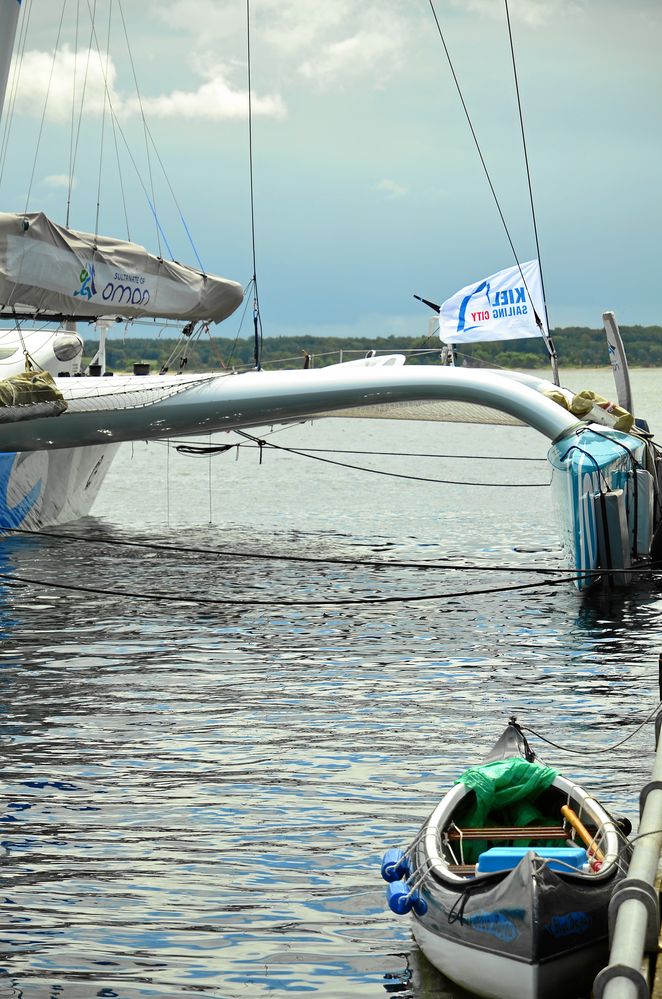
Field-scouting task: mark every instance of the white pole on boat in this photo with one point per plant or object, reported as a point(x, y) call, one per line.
point(619, 363)
point(102, 326)
point(9, 11)
point(634, 908)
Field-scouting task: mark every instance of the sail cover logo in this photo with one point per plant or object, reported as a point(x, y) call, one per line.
point(87, 286)
point(122, 289)
point(126, 289)
point(503, 306)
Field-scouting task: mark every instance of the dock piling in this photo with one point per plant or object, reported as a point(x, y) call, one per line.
point(634, 911)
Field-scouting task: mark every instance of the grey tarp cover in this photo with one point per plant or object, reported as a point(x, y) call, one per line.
point(50, 268)
point(28, 396)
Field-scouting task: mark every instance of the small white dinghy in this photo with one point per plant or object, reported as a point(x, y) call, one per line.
point(509, 879)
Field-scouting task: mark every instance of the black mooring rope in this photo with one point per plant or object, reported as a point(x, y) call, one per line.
point(378, 471)
point(12, 580)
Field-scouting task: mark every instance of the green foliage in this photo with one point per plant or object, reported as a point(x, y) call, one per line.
point(512, 359)
point(576, 347)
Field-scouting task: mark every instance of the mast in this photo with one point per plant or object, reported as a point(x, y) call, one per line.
point(9, 11)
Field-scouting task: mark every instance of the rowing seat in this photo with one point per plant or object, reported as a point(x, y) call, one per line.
point(462, 869)
point(508, 832)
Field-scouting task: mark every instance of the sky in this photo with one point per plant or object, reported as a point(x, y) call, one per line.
point(368, 186)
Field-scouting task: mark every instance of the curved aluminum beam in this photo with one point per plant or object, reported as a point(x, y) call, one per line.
point(230, 402)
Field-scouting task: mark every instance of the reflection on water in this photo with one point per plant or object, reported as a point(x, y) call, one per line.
point(197, 797)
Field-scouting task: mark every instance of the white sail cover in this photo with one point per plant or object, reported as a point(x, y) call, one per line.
point(502, 306)
point(52, 269)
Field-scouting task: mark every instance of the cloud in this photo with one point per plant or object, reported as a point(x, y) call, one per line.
point(326, 43)
point(333, 44)
point(534, 13)
point(214, 100)
point(368, 53)
point(41, 75)
point(58, 180)
point(74, 73)
point(391, 189)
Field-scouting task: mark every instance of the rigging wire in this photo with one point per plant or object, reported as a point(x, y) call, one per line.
point(257, 318)
point(393, 454)
point(149, 138)
point(103, 121)
point(214, 351)
point(548, 339)
point(183, 449)
point(241, 322)
point(43, 113)
point(72, 126)
point(548, 342)
point(150, 201)
point(174, 198)
point(18, 65)
point(473, 133)
point(209, 486)
point(206, 450)
point(120, 178)
point(180, 351)
point(167, 484)
point(145, 133)
point(72, 170)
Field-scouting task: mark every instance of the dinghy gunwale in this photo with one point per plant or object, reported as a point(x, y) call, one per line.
point(437, 866)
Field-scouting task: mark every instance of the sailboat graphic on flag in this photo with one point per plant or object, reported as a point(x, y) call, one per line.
point(507, 305)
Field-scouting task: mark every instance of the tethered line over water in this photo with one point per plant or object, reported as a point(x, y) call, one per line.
point(642, 570)
point(261, 443)
point(12, 580)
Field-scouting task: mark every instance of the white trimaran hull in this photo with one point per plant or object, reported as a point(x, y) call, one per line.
point(44, 488)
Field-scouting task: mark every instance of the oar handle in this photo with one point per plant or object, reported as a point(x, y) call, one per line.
point(582, 832)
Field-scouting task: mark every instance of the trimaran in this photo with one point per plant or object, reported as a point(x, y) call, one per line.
point(52, 466)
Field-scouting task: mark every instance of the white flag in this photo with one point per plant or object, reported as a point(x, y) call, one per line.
point(501, 307)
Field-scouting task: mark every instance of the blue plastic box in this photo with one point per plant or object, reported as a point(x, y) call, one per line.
point(506, 858)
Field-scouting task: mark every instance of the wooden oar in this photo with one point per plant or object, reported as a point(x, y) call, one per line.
point(583, 832)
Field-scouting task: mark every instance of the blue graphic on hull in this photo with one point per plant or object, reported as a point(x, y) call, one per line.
point(14, 516)
point(569, 924)
point(497, 924)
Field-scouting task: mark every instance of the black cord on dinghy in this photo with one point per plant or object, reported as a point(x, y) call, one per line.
point(604, 749)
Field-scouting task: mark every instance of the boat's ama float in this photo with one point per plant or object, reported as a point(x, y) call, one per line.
point(58, 433)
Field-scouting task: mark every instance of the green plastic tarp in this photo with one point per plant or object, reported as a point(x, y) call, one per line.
point(505, 782)
point(508, 788)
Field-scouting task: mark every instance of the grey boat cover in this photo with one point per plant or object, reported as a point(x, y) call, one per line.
point(30, 396)
point(51, 269)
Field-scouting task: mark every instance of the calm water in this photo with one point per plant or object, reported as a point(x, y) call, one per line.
point(197, 795)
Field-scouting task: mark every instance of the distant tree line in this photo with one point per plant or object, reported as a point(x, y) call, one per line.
point(577, 346)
